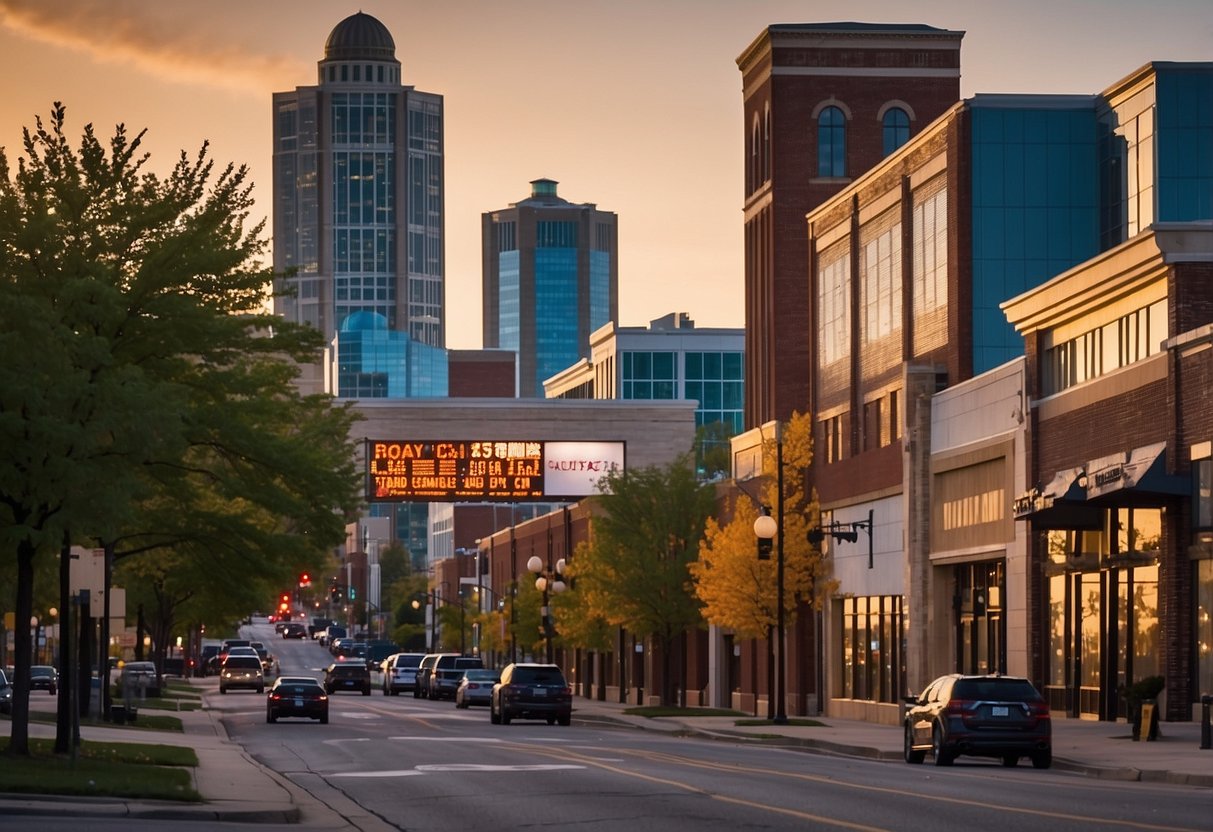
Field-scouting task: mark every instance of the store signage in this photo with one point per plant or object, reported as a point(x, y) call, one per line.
point(486, 471)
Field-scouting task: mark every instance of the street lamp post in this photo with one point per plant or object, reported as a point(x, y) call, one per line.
point(766, 528)
point(436, 599)
point(546, 582)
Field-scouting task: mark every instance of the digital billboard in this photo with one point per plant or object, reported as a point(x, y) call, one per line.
point(450, 471)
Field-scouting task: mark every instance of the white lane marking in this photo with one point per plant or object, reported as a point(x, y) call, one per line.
point(440, 767)
point(359, 715)
point(446, 739)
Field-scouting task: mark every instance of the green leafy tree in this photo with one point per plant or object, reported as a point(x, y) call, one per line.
point(635, 569)
point(153, 409)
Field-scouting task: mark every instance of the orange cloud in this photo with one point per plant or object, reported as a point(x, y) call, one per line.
point(152, 39)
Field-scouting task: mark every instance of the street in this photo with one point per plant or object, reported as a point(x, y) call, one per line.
point(422, 765)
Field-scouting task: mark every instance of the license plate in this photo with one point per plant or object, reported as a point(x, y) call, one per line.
point(1000, 710)
point(540, 691)
point(298, 703)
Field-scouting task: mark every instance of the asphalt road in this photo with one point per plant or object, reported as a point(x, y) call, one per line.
point(421, 765)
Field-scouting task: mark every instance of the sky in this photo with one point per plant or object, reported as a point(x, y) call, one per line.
point(634, 105)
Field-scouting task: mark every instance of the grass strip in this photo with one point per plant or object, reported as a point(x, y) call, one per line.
point(101, 769)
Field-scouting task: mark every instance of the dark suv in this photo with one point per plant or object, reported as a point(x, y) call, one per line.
point(531, 691)
point(353, 675)
point(981, 716)
point(447, 673)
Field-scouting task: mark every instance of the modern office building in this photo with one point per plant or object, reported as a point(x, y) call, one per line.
point(551, 277)
point(670, 359)
point(822, 103)
point(358, 194)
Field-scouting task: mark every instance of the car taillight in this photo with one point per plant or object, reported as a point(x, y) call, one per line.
point(957, 707)
point(1040, 710)
point(275, 696)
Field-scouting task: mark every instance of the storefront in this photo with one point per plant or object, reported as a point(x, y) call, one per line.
point(1106, 532)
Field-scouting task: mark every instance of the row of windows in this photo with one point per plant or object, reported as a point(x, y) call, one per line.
point(551, 234)
point(364, 250)
point(364, 190)
point(882, 421)
point(880, 273)
point(507, 236)
point(1098, 352)
point(359, 288)
point(364, 118)
point(358, 73)
point(425, 126)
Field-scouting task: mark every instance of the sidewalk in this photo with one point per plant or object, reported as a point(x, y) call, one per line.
point(236, 788)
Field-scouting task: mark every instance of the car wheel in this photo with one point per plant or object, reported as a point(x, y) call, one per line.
point(261, 689)
point(1010, 760)
point(942, 757)
point(222, 689)
point(461, 705)
point(565, 719)
point(551, 720)
point(52, 691)
point(366, 691)
point(269, 717)
point(912, 756)
point(505, 717)
point(416, 693)
point(494, 718)
point(324, 719)
point(1042, 759)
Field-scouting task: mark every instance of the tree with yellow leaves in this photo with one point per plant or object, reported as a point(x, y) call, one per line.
point(738, 591)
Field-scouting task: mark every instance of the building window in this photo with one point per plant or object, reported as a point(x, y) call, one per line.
point(833, 432)
point(834, 305)
point(896, 130)
point(831, 143)
point(556, 234)
point(880, 265)
point(766, 144)
point(1097, 352)
point(1202, 473)
point(755, 156)
point(870, 648)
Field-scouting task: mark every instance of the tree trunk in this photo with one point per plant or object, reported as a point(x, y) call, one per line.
point(63, 716)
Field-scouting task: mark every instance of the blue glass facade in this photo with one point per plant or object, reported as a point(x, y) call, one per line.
point(716, 379)
point(556, 304)
point(1185, 144)
point(509, 301)
point(375, 362)
point(600, 289)
point(1035, 203)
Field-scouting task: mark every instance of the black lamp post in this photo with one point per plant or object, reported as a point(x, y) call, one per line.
point(545, 582)
point(766, 528)
point(435, 599)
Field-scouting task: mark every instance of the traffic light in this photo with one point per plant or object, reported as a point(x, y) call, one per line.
point(765, 545)
point(285, 602)
point(353, 594)
point(305, 579)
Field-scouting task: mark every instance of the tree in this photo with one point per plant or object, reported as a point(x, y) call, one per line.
point(739, 591)
point(635, 566)
point(153, 406)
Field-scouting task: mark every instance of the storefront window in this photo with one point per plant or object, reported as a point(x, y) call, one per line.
point(870, 652)
point(1204, 626)
point(1057, 630)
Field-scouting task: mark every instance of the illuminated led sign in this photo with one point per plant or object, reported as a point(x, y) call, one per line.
point(486, 471)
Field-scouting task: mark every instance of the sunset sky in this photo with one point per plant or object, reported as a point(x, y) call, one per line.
point(634, 105)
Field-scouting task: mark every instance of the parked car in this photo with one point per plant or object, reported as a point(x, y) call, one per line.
point(317, 627)
point(422, 688)
point(138, 679)
point(446, 674)
point(476, 687)
point(981, 716)
point(6, 694)
point(294, 629)
point(400, 672)
point(44, 677)
point(297, 696)
point(354, 675)
point(240, 671)
point(229, 643)
point(531, 691)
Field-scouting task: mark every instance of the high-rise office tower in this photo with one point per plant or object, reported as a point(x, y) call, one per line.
point(551, 277)
point(358, 193)
point(822, 103)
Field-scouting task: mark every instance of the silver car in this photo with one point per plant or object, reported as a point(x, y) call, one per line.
point(476, 687)
point(400, 672)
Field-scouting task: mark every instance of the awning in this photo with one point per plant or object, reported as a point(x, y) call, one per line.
point(1138, 477)
point(1061, 504)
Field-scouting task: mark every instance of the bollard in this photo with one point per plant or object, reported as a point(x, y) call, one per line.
point(1206, 730)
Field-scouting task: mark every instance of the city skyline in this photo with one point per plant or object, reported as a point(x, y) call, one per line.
point(641, 113)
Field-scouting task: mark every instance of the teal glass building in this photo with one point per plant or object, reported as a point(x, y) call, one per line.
point(550, 279)
point(358, 193)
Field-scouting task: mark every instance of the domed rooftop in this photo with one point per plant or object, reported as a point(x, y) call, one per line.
point(360, 37)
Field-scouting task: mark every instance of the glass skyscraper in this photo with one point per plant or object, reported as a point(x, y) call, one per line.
point(358, 193)
point(551, 277)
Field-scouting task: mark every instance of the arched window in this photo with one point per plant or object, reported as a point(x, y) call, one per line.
point(766, 144)
point(896, 129)
point(832, 143)
point(755, 156)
